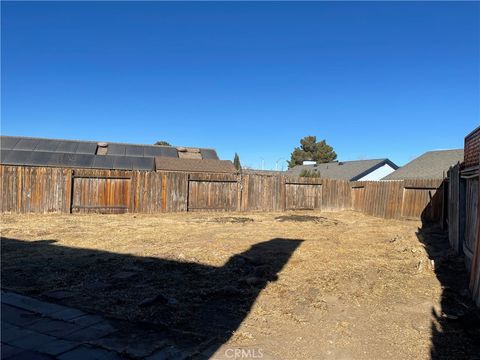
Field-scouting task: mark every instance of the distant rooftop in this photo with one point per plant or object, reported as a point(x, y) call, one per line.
point(431, 165)
point(343, 170)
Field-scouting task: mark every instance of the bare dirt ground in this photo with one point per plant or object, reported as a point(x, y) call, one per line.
point(303, 285)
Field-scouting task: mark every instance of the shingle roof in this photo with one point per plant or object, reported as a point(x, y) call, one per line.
point(431, 165)
point(194, 165)
point(343, 170)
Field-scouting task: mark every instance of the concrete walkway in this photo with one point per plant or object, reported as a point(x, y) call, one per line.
point(33, 329)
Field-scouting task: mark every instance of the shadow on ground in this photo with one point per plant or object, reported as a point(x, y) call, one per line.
point(182, 298)
point(455, 326)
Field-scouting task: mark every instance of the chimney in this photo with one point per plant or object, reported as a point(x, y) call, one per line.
point(102, 148)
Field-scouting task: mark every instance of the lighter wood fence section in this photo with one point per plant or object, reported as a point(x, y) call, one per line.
point(32, 189)
point(471, 224)
point(303, 196)
point(475, 269)
point(456, 211)
point(213, 192)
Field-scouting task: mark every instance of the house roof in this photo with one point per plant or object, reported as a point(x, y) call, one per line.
point(194, 165)
point(90, 147)
point(17, 150)
point(431, 165)
point(343, 170)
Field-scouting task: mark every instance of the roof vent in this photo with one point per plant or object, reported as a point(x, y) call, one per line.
point(102, 148)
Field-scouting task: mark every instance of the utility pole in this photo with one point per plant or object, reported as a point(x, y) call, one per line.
point(276, 163)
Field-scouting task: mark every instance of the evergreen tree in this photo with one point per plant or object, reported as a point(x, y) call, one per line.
point(236, 162)
point(162, 143)
point(310, 149)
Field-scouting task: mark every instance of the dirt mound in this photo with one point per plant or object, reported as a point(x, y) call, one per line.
point(307, 218)
point(226, 220)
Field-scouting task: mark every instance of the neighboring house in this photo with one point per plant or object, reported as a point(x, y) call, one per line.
point(16, 150)
point(356, 170)
point(431, 165)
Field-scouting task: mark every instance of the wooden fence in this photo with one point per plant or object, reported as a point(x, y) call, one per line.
point(464, 220)
point(42, 190)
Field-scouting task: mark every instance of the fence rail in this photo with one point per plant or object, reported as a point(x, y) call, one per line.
point(33, 189)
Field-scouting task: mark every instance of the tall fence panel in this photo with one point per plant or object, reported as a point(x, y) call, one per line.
point(471, 224)
point(423, 198)
point(456, 210)
point(212, 192)
point(34, 189)
point(263, 193)
point(300, 196)
point(175, 191)
point(475, 268)
point(336, 195)
point(147, 195)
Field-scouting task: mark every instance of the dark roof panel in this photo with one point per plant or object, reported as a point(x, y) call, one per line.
point(8, 142)
point(143, 163)
point(16, 157)
point(87, 148)
point(67, 146)
point(103, 162)
point(46, 145)
point(122, 163)
point(209, 154)
point(82, 160)
point(134, 150)
point(38, 158)
point(153, 151)
point(116, 149)
point(26, 144)
point(3, 155)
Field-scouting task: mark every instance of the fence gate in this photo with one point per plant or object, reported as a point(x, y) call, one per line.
point(300, 196)
point(101, 194)
point(212, 192)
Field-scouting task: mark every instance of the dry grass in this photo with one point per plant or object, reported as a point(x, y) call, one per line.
point(355, 287)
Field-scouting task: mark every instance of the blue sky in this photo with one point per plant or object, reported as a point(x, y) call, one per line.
point(375, 79)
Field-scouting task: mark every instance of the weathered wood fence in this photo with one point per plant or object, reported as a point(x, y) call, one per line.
point(464, 220)
point(42, 190)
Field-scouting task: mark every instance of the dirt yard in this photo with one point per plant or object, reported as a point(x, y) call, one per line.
point(303, 285)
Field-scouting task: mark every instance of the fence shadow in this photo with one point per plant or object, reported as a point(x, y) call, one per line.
point(195, 304)
point(455, 327)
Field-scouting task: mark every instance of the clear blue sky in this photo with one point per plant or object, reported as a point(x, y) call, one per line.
point(374, 79)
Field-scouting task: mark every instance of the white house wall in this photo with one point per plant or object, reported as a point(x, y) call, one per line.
point(378, 174)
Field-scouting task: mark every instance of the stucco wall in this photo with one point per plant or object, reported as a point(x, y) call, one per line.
point(378, 174)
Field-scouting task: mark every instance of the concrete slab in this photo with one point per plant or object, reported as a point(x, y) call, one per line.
point(16, 316)
point(90, 332)
point(53, 327)
point(31, 341)
point(9, 351)
point(85, 352)
point(30, 304)
point(57, 347)
point(14, 332)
